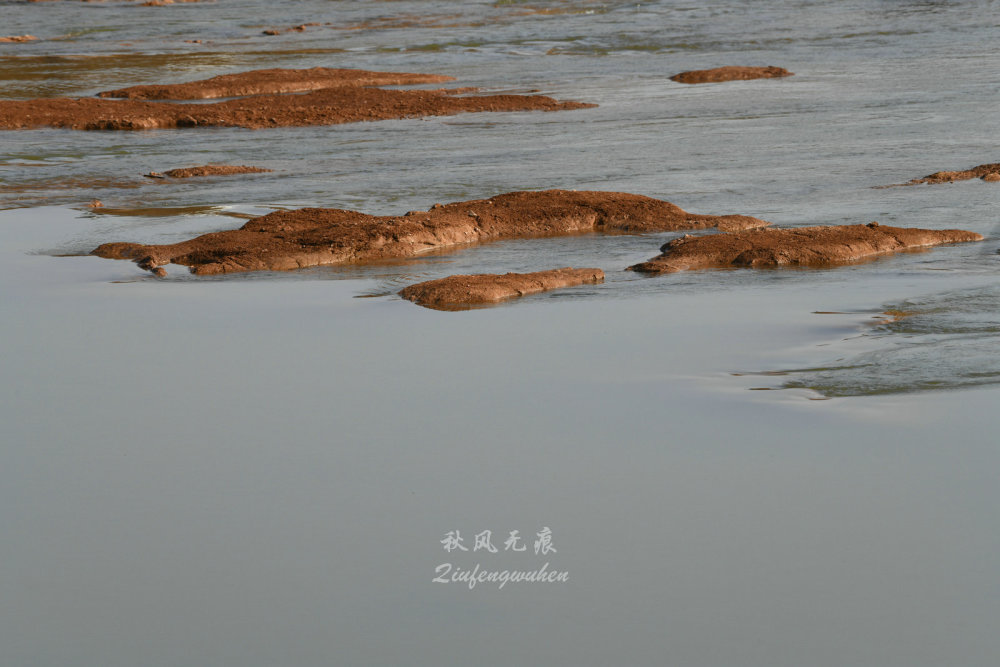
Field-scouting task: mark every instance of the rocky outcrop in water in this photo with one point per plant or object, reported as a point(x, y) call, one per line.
point(803, 246)
point(286, 240)
point(730, 73)
point(462, 292)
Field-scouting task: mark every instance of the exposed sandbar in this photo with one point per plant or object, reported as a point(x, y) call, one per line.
point(730, 73)
point(18, 38)
point(462, 292)
point(987, 172)
point(329, 106)
point(286, 240)
point(271, 82)
point(804, 246)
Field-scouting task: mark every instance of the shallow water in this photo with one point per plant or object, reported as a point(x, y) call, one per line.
point(258, 469)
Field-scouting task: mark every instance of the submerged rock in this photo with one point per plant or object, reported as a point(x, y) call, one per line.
point(730, 73)
point(271, 82)
point(329, 106)
point(803, 246)
point(462, 292)
point(286, 240)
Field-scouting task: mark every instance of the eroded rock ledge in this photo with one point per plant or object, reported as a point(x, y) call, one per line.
point(462, 292)
point(271, 82)
point(804, 246)
point(987, 172)
point(730, 73)
point(287, 240)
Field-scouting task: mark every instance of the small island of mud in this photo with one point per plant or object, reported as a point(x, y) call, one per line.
point(208, 170)
point(344, 103)
point(271, 82)
point(803, 246)
point(18, 38)
point(286, 240)
point(730, 73)
point(463, 292)
point(987, 172)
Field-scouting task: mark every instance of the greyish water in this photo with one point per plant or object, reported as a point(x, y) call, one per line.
point(259, 469)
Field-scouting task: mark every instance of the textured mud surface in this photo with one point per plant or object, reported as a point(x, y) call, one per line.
point(315, 236)
point(271, 82)
point(730, 73)
point(465, 291)
point(805, 246)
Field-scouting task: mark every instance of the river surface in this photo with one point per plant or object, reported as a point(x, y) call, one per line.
point(738, 468)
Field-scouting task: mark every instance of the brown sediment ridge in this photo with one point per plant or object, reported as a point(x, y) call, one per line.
point(18, 38)
point(987, 172)
point(730, 73)
point(329, 106)
point(462, 292)
point(286, 240)
point(271, 82)
point(209, 170)
point(803, 246)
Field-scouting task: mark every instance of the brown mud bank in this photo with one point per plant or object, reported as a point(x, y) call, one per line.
point(18, 38)
point(286, 240)
point(208, 170)
point(271, 82)
point(730, 73)
point(329, 106)
point(462, 292)
point(804, 246)
point(987, 172)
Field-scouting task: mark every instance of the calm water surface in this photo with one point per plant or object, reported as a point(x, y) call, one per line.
point(259, 469)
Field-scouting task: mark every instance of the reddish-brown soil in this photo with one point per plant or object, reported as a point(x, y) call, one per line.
point(209, 170)
point(18, 38)
point(805, 246)
point(729, 73)
point(315, 236)
point(987, 172)
point(329, 106)
point(271, 82)
point(463, 292)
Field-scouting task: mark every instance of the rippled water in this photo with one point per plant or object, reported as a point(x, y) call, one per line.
point(256, 469)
